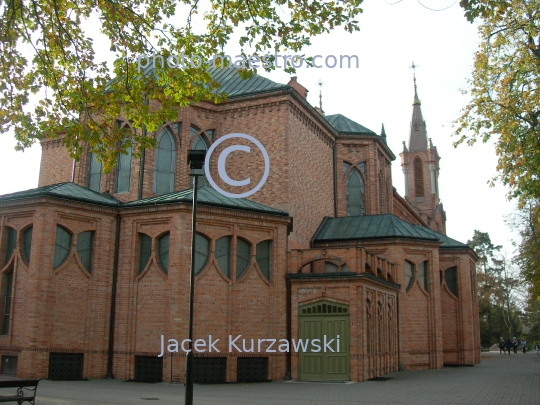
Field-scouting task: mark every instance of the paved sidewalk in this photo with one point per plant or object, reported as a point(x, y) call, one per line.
point(504, 380)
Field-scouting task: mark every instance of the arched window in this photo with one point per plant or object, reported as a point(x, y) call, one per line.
point(11, 242)
point(202, 251)
point(165, 163)
point(123, 167)
point(355, 193)
point(409, 272)
point(145, 251)
point(422, 274)
point(243, 257)
point(84, 249)
point(450, 276)
point(223, 254)
point(418, 177)
point(330, 267)
point(123, 172)
point(163, 245)
point(27, 243)
point(7, 287)
point(94, 173)
point(62, 245)
point(263, 257)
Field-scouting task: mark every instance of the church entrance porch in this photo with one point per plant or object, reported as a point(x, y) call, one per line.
point(324, 329)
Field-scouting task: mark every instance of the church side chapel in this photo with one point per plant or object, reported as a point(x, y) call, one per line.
point(94, 267)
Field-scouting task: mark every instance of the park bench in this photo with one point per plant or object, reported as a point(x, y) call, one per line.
point(21, 385)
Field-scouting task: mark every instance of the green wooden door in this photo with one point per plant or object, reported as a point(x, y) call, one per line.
point(325, 321)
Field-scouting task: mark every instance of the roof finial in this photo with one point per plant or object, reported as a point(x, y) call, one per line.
point(416, 99)
point(320, 84)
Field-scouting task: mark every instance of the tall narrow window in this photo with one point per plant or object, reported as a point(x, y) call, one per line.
point(94, 173)
point(355, 193)
point(84, 249)
point(263, 257)
point(243, 256)
point(409, 270)
point(422, 274)
point(8, 279)
point(165, 162)
point(163, 244)
point(145, 251)
point(123, 172)
point(27, 243)
point(223, 254)
point(62, 246)
point(202, 251)
point(418, 177)
point(123, 167)
point(11, 242)
point(450, 276)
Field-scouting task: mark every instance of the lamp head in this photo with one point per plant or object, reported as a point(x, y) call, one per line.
point(196, 159)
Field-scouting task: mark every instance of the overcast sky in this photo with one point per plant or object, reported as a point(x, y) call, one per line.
point(442, 44)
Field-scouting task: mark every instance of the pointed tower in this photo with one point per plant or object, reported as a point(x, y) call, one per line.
point(420, 163)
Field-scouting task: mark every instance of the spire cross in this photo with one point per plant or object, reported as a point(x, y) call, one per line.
point(320, 84)
point(413, 67)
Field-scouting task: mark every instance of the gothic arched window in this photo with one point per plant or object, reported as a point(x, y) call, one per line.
point(243, 257)
point(409, 272)
point(123, 167)
point(223, 253)
point(11, 242)
point(355, 193)
point(163, 247)
point(418, 177)
point(450, 277)
point(202, 252)
point(94, 173)
point(62, 246)
point(165, 162)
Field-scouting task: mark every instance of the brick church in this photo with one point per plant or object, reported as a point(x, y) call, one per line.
point(95, 267)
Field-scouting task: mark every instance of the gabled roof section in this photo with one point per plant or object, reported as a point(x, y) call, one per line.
point(68, 190)
point(371, 227)
point(345, 125)
point(380, 227)
point(447, 242)
point(205, 196)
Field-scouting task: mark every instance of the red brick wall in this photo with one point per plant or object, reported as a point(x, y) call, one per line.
point(154, 303)
point(65, 309)
point(56, 164)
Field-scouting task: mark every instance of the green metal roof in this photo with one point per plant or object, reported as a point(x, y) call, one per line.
point(370, 227)
point(447, 242)
point(379, 227)
point(205, 196)
point(68, 190)
point(345, 125)
point(232, 84)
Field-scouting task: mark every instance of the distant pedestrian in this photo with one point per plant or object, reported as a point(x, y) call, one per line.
point(509, 345)
point(524, 345)
point(515, 344)
point(501, 346)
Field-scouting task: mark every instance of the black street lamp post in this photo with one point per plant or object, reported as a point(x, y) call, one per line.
point(196, 162)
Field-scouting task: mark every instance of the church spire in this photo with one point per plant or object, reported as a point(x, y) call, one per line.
point(418, 136)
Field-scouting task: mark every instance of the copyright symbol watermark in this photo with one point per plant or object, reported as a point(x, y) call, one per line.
point(222, 172)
